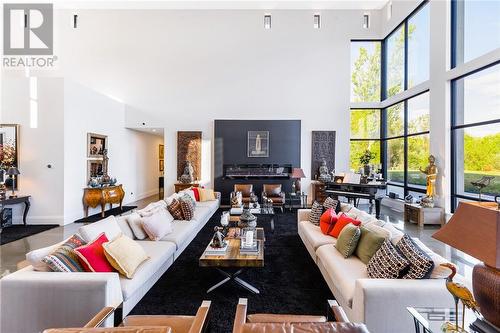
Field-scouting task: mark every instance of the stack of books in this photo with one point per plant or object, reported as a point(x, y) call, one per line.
point(216, 251)
point(251, 250)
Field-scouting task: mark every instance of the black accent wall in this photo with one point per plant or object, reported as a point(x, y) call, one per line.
point(230, 147)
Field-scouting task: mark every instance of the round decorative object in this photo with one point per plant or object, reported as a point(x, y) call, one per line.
point(247, 219)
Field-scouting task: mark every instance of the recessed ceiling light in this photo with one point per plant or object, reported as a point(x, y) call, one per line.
point(366, 21)
point(317, 21)
point(267, 21)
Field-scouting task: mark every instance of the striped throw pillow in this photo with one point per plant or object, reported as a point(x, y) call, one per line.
point(331, 203)
point(175, 209)
point(64, 259)
point(316, 211)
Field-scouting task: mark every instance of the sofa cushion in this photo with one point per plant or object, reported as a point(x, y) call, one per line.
point(331, 203)
point(91, 256)
point(342, 221)
point(135, 222)
point(181, 231)
point(206, 194)
point(175, 209)
point(344, 272)
point(316, 211)
point(369, 243)
point(124, 226)
point(159, 253)
point(387, 263)
point(421, 264)
point(396, 234)
point(187, 208)
point(108, 225)
point(35, 257)
point(64, 259)
point(348, 240)
point(202, 214)
point(125, 255)
point(438, 272)
point(327, 221)
point(314, 236)
point(158, 224)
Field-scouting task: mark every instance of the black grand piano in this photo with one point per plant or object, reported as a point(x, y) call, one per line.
point(373, 191)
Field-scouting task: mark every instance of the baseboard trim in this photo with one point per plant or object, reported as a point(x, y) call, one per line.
point(18, 219)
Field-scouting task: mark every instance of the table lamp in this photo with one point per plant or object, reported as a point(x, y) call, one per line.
point(475, 230)
point(297, 173)
point(12, 172)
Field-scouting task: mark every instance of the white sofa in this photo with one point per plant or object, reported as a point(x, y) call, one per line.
point(379, 303)
point(32, 301)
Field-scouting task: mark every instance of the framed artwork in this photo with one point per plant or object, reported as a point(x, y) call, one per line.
point(323, 148)
point(162, 165)
point(94, 168)
point(9, 152)
point(161, 152)
point(96, 144)
point(258, 144)
point(189, 149)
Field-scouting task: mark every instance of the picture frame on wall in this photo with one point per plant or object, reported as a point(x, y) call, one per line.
point(161, 152)
point(162, 165)
point(9, 153)
point(258, 144)
point(96, 144)
point(94, 168)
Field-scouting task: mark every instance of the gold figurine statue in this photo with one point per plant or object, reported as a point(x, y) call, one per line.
point(431, 174)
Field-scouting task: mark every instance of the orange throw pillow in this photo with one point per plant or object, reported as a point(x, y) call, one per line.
point(342, 221)
point(327, 221)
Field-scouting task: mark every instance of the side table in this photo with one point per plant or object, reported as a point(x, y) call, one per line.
point(423, 215)
point(15, 201)
point(296, 196)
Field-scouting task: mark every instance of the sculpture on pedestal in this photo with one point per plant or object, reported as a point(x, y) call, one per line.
point(431, 172)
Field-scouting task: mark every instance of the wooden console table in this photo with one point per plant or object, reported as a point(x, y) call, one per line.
point(423, 215)
point(182, 186)
point(18, 200)
point(100, 196)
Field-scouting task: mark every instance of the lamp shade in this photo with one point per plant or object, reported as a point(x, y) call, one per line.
point(475, 230)
point(13, 171)
point(297, 173)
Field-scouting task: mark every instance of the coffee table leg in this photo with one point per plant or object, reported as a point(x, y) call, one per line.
point(217, 285)
point(229, 277)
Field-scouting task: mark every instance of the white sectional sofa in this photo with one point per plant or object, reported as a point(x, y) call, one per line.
point(32, 301)
point(379, 303)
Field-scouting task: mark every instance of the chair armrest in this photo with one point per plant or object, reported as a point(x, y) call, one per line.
point(201, 319)
point(241, 315)
point(100, 317)
point(338, 313)
point(51, 297)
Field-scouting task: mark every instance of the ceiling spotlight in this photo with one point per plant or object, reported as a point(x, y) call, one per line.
point(317, 21)
point(366, 21)
point(267, 21)
point(75, 21)
point(389, 10)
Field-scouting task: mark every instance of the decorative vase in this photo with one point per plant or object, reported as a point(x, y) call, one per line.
point(247, 219)
point(486, 289)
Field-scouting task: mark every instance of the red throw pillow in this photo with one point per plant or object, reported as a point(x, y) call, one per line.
point(92, 256)
point(196, 193)
point(342, 221)
point(327, 221)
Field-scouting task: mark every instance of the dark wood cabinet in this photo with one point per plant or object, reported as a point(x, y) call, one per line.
point(181, 186)
point(319, 193)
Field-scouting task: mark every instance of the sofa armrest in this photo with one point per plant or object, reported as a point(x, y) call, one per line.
point(303, 215)
point(377, 302)
point(53, 299)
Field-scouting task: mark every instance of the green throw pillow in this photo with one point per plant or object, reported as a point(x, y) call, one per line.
point(369, 243)
point(348, 240)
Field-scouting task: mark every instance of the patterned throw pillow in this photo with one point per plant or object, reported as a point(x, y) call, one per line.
point(64, 259)
point(187, 209)
point(331, 203)
point(421, 264)
point(175, 209)
point(316, 211)
point(187, 197)
point(348, 240)
point(387, 263)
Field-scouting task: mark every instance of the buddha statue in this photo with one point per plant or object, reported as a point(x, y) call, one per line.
point(324, 175)
point(431, 172)
point(188, 174)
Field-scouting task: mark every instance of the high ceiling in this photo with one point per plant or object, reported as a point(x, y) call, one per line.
point(224, 4)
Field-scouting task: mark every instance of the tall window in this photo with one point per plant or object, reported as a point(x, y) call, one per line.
point(365, 135)
point(406, 143)
point(418, 47)
point(395, 62)
point(365, 71)
point(476, 134)
point(475, 30)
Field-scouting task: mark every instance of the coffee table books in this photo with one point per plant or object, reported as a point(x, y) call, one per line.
point(216, 251)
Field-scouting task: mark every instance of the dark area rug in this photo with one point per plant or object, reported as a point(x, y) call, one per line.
point(290, 282)
point(114, 211)
point(15, 232)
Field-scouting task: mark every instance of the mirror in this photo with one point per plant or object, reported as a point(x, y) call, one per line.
point(9, 152)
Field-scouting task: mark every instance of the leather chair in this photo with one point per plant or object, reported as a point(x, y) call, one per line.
point(246, 190)
point(278, 323)
point(275, 193)
point(145, 323)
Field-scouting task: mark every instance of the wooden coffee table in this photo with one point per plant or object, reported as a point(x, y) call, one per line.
point(232, 259)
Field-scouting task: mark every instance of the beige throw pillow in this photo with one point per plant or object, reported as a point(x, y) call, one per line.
point(135, 222)
point(206, 194)
point(125, 255)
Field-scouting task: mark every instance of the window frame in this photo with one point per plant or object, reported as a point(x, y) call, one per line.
point(379, 139)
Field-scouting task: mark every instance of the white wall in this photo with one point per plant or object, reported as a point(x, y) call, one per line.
point(187, 68)
point(39, 146)
point(133, 156)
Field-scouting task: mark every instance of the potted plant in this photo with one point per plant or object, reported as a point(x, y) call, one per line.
point(365, 159)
